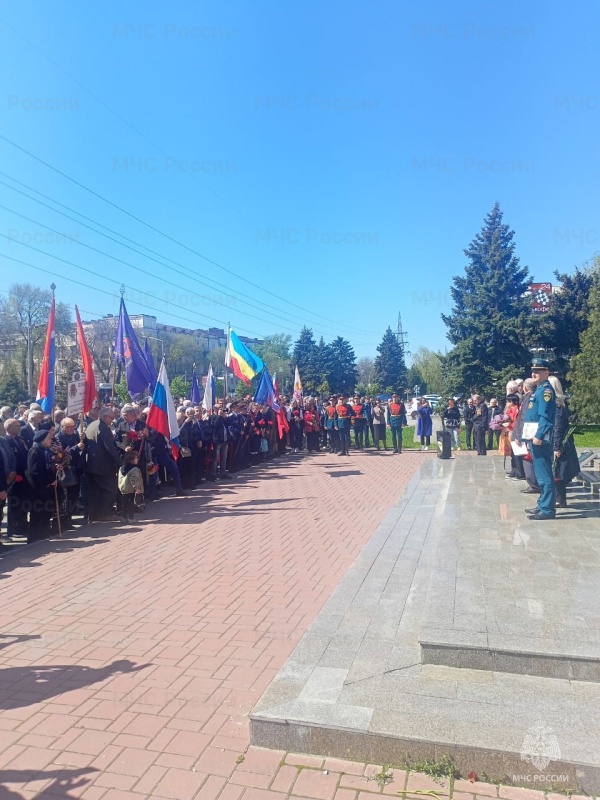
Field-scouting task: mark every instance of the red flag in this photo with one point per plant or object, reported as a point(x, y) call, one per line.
point(283, 425)
point(90, 382)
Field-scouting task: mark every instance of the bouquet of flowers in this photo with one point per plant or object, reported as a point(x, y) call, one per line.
point(60, 459)
point(131, 436)
point(497, 423)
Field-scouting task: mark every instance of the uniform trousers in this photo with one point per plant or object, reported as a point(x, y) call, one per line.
point(542, 455)
point(344, 440)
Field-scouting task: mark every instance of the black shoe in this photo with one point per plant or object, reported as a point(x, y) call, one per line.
point(539, 517)
point(561, 504)
point(227, 477)
point(181, 494)
point(532, 510)
point(530, 491)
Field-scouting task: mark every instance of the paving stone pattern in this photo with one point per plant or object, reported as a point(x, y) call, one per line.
point(130, 657)
point(453, 552)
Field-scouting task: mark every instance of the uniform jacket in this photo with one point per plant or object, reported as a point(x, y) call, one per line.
point(541, 408)
point(396, 415)
point(343, 416)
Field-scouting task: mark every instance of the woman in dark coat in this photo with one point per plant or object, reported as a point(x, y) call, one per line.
point(566, 463)
point(41, 477)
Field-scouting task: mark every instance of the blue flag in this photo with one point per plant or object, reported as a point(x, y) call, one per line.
point(129, 353)
point(265, 393)
point(151, 367)
point(195, 390)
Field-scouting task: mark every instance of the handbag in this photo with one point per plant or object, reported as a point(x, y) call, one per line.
point(185, 452)
point(68, 477)
point(264, 445)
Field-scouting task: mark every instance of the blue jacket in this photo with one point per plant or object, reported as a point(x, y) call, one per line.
point(542, 409)
point(424, 423)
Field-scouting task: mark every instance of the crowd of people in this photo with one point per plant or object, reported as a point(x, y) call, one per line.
point(106, 466)
point(544, 457)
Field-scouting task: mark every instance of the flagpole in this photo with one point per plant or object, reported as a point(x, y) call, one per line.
point(225, 387)
point(114, 379)
point(53, 287)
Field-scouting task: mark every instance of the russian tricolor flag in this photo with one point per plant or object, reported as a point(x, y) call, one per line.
point(162, 416)
point(45, 391)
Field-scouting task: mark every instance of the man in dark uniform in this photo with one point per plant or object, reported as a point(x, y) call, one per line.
point(538, 430)
point(333, 435)
point(396, 420)
point(359, 423)
point(343, 417)
point(481, 420)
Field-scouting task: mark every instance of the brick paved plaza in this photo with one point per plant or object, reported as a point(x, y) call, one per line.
point(131, 657)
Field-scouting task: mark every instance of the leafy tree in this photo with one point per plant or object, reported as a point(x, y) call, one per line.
point(390, 369)
point(343, 372)
point(415, 378)
point(25, 312)
point(12, 390)
point(365, 369)
point(585, 367)
point(305, 358)
point(275, 351)
point(490, 318)
point(182, 352)
point(429, 364)
point(180, 387)
point(560, 329)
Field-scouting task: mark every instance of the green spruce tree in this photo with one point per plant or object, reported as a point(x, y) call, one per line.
point(343, 376)
point(490, 320)
point(305, 358)
point(390, 369)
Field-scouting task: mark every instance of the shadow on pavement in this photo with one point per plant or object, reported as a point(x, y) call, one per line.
point(24, 686)
point(62, 782)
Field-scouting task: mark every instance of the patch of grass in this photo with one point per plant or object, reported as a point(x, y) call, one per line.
point(384, 777)
point(444, 767)
point(587, 436)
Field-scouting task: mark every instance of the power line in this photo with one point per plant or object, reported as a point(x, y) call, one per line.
point(162, 233)
point(203, 281)
point(103, 291)
point(120, 261)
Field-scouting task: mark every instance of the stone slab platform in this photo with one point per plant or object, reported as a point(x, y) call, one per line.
point(509, 595)
point(455, 554)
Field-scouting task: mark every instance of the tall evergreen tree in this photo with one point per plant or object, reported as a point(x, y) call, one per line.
point(491, 318)
point(343, 376)
point(390, 369)
point(323, 366)
point(585, 367)
point(305, 358)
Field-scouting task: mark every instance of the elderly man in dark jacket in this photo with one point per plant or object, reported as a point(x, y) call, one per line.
point(16, 523)
point(103, 459)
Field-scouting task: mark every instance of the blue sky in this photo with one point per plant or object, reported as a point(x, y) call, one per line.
point(339, 155)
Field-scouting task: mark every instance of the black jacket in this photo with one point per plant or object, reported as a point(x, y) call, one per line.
point(102, 454)
point(481, 417)
point(40, 473)
point(567, 466)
